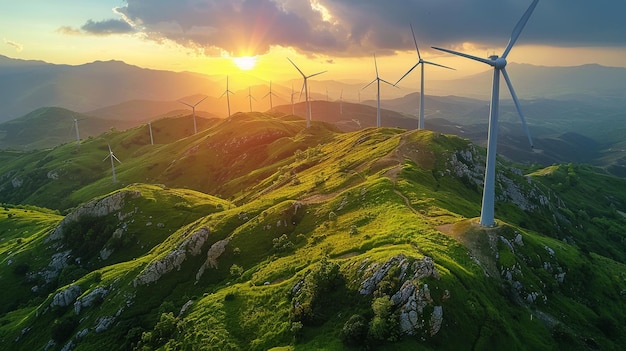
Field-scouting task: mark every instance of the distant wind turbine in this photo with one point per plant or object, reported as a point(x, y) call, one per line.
point(112, 157)
point(293, 109)
point(227, 92)
point(423, 63)
point(498, 64)
point(77, 133)
point(151, 138)
point(270, 95)
point(341, 103)
point(305, 85)
point(250, 97)
point(193, 109)
point(377, 80)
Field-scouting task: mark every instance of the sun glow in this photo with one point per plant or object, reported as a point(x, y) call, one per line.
point(245, 63)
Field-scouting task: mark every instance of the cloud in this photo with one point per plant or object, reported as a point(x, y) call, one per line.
point(18, 47)
point(107, 27)
point(361, 27)
point(67, 30)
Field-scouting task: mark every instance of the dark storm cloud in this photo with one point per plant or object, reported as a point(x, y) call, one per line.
point(107, 27)
point(360, 27)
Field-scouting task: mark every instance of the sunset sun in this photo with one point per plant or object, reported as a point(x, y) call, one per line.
point(245, 63)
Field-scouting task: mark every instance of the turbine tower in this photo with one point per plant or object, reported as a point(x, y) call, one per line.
point(77, 134)
point(341, 103)
point(227, 92)
point(498, 64)
point(377, 80)
point(250, 97)
point(293, 109)
point(150, 128)
point(193, 109)
point(423, 63)
point(270, 95)
point(112, 157)
point(306, 91)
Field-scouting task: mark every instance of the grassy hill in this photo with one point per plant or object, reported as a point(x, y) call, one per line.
point(259, 234)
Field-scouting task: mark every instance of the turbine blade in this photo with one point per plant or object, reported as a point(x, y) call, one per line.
point(110, 151)
point(184, 103)
point(301, 91)
point(106, 157)
point(407, 72)
point(296, 67)
point(479, 59)
point(376, 65)
point(384, 81)
point(436, 64)
point(415, 41)
point(517, 106)
point(315, 74)
point(519, 27)
point(370, 83)
point(116, 159)
point(198, 103)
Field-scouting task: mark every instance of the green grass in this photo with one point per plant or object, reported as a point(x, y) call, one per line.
point(290, 199)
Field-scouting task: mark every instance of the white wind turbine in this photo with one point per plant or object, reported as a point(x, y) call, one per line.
point(227, 92)
point(423, 63)
point(305, 85)
point(498, 64)
point(270, 95)
point(341, 103)
point(377, 80)
point(250, 97)
point(77, 133)
point(293, 109)
point(112, 157)
point(193, 109)
point(150, 128)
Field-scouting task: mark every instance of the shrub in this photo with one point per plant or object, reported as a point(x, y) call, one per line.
point(354, 331)
point(62, 329)
point(21, 268)
point(236, 270)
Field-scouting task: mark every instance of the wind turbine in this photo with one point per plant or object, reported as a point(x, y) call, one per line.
point(341, 103)
point(77, 134)
point(250, 97)
point(293, 109)
point(377, 80)
point(423, 63)
point(150, 128)
point(270, 95)
point(227, 92)
point(112, 157)
point(193, 109)
point(306, 91)
point(498, 64)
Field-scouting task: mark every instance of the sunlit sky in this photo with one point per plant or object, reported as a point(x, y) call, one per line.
point(340, 36)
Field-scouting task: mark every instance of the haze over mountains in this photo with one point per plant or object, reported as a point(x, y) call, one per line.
point(575, 114)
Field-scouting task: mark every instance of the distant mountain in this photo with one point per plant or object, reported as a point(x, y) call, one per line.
point(28, 85)
point(532, 82)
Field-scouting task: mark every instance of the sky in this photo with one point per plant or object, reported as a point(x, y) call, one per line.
point(340, 36)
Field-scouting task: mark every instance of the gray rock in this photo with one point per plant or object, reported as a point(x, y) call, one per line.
point(66, 297)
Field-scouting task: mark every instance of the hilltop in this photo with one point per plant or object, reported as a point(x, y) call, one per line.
point(257, 233)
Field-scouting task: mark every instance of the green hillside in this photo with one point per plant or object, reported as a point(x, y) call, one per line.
point(259, 234)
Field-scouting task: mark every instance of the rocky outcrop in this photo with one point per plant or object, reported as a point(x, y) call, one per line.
point(97, 294)
point(192, 245)
point(412, 298)
point(96, 208)
point(66, 297)
point(216, 250)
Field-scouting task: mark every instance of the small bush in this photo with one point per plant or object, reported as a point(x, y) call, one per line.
point(354, 331)
point(236, 270)
point(62, 329)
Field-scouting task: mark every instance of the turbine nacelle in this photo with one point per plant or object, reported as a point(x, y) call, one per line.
point(498, 62)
